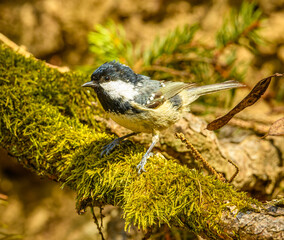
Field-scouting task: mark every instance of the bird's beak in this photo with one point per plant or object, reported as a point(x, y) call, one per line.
point(89, 84)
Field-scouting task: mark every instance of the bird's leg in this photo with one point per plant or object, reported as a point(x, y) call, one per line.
point(141, 165)
point(109, 147)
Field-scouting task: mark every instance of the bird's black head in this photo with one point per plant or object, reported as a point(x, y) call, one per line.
point(112, 71)
point(115, 86)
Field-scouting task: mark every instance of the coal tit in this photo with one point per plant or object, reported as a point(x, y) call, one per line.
point(144, 105)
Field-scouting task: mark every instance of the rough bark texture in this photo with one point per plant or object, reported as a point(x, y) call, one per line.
point(266, 224)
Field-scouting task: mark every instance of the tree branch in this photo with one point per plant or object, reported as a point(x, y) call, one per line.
point(265, 224)
point(42, 111)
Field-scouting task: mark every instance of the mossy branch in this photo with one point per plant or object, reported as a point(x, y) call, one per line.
point(41, 124)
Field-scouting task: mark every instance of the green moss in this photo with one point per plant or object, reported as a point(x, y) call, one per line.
point(41, 115)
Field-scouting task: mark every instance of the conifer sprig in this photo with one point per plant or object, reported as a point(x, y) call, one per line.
point(108, 42)
point(241, 27)
point(170, 44)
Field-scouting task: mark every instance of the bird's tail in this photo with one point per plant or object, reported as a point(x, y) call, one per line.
point(196, 92)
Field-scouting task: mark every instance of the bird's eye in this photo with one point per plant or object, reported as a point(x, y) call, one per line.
point(106, 77)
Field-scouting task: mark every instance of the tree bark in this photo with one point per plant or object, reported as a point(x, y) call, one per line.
point(265, 224)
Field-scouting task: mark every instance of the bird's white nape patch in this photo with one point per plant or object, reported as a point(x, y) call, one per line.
point(120, 89)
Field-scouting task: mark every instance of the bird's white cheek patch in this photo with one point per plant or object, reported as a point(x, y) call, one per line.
point(120, 89)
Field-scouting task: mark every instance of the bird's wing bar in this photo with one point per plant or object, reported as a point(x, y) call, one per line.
point(173, 88)
point(167, 91)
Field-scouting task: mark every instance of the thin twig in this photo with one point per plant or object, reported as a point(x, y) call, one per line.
point(177, 57)
point(224, 69)
point(99, 227)
point(198, 156)
point(101, 215)
point(237, 170)
point(167, 70)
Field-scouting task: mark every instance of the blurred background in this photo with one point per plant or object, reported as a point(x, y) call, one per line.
point(57, 31)
point(60, 32)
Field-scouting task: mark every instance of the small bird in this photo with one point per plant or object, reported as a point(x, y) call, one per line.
point(141, 104)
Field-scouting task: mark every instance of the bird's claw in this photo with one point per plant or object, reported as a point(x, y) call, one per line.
point(143, 162)
point(107, 149)
point(140, 167)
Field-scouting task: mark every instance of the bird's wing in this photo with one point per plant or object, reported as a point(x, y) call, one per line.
point(167, 91)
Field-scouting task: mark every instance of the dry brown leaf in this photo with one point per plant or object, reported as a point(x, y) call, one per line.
point(249, 100)
point(277, 128)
